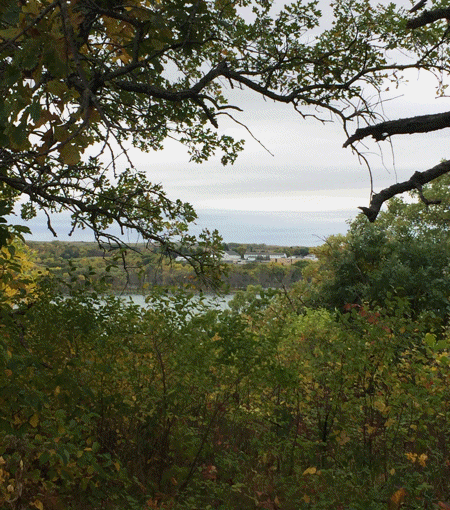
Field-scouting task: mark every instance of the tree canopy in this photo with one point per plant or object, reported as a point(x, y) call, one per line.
point(82, 81)
point(403, 256)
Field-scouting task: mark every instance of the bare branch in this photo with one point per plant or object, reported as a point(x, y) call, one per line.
point(419, 124)
point(248, 131)
point(416, 182)
point(428, 17)
point(159, 93)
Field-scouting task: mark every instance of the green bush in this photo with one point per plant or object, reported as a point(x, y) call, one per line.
point(183, 406)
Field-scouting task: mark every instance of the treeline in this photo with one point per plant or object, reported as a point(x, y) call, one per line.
point(142, 268)
point(289, 251)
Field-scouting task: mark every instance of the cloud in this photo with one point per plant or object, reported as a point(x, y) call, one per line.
point(278, 201)
point(276, 228)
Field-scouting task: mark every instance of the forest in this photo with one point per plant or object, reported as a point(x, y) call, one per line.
point(146, 267)
point(329, 390)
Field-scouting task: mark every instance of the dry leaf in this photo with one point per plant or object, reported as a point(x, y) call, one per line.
point(34, 420)
point(397, 499)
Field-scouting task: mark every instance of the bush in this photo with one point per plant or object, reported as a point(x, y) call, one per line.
point(182, 406)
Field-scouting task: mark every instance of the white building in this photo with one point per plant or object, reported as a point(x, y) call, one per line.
point(264, 256)
point(231, 257)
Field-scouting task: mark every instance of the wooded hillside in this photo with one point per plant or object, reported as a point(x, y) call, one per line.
point(144, 267)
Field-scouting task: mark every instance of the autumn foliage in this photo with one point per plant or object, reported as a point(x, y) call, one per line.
point(289, 399)
point(184, 406)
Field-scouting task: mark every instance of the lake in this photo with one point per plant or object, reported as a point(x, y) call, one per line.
point(220, 302)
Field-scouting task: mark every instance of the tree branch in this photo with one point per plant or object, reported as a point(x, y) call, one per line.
point(168, 95)
point(417, 180)
point(35, 21)
point(410, 125)
point(428, 17)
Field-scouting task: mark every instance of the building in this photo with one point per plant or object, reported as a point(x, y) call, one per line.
point(263, 256)
point(231, 257)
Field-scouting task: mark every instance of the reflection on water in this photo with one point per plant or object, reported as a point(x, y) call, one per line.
point(220, 302)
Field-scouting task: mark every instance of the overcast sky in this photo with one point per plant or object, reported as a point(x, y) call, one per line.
point(310, 186)
point(311, 182)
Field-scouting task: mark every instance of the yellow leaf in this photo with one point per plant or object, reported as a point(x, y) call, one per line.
point(306, 498)
point(397, 499)
point(31, 7)
point(34, 420)
point(38, 504)
point(411, 456)
point(423, 459)
point(380, 406)
point(310, 471)
point(371, 430)
point(390, 422)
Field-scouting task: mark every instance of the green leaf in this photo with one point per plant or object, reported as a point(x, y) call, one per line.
point(430, 340)
point(44, 457)
point(69, 154)
point(35, 111)
point(19, 136)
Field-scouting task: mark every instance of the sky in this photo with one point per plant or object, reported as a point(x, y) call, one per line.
point(311, 185)
point(307, 188)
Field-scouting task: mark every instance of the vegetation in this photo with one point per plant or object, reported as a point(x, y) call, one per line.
point(146, 268)
point(330, 394)
point(404, 255)
point(292, 399)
